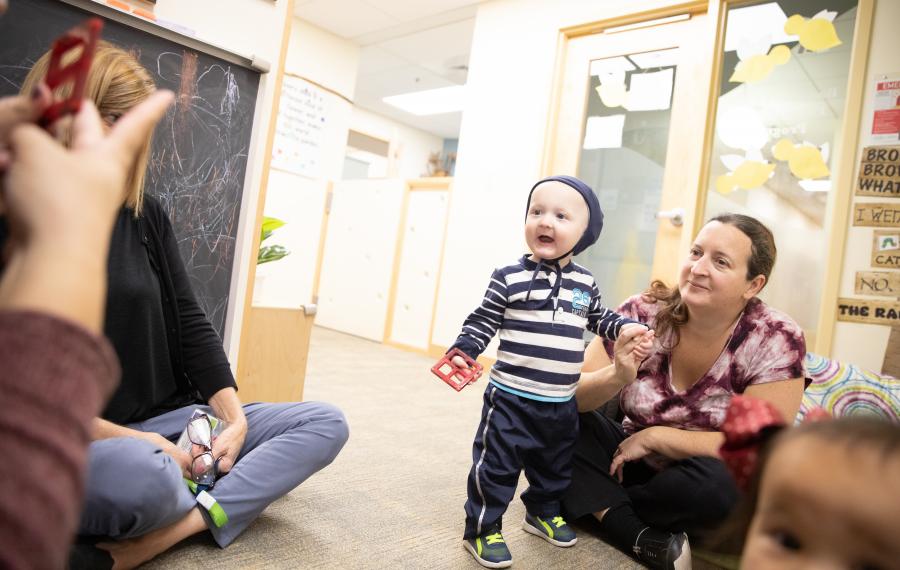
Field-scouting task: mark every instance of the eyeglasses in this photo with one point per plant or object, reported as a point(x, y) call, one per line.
point(204, 467)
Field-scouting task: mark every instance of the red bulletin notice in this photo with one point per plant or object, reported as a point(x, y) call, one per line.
point(886, 118)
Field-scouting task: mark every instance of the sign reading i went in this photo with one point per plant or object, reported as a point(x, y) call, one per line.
point(877, 214)
point(879, 172)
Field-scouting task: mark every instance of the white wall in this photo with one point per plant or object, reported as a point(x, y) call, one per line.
point(329, 61)
point(359, 256)
point(863, 344)
point(225, 24)
point(501, 141)
point(409, 147)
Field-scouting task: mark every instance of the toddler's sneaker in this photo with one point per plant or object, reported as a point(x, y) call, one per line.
point(663, 550)
point(489, 549)
point(554, 529)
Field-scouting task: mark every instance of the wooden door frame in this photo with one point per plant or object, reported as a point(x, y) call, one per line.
point(716, 12)
point(431, 184)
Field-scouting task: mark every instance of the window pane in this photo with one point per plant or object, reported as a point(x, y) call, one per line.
point(779, 115)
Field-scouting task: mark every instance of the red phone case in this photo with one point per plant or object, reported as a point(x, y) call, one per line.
point(75, 71)
point(457, 377)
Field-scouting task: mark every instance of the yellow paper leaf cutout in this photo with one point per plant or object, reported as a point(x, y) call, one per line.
point(794, 25)
point(783, 149)
point(612, 94)
point(816, 34)
point(780, 54)
point(725, 184)
point(806, 163)
point(751, 174)
point(759, 67)
point(819, 35)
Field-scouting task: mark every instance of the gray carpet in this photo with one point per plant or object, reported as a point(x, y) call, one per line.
point(394, 497)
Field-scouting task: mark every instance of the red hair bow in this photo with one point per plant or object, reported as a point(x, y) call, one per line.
point(749, 423)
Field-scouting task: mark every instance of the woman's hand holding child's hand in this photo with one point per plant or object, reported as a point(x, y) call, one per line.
point(634, 344)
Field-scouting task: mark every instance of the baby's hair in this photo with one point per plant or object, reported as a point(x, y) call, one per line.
point(855, 433)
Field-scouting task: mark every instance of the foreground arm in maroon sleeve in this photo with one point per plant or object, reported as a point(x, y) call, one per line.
point(55, 377)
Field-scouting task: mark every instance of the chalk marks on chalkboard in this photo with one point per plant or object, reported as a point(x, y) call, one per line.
point(198, 166)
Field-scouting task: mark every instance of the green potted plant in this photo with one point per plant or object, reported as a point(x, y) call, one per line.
point(270, 253)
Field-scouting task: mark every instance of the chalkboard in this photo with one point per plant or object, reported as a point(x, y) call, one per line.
point(199, 158)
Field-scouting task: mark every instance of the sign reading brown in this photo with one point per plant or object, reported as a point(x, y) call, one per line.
point(867, 311)
point(877, 214)
point(886, 249)
point(879, 172)
point(884, 283)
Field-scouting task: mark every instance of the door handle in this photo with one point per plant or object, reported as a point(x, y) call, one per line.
point(675, 216)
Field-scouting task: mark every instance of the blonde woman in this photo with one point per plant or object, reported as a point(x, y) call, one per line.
point(172, 364)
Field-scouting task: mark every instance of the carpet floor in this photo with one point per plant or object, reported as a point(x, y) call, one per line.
point(394, 496)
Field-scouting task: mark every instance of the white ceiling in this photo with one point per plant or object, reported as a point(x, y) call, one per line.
point(405, 45)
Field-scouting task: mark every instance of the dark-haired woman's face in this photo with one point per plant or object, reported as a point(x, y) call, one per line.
point(715, 271)
point(2, 6)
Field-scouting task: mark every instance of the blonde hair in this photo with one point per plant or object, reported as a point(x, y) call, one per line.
point(116, 83)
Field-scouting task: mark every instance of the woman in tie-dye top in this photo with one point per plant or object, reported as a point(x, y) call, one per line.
point(657, 475)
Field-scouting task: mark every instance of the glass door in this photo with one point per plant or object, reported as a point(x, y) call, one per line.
point(630, 124)
point(784, 78)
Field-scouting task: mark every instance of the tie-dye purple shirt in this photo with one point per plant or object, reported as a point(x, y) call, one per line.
point(766, 346)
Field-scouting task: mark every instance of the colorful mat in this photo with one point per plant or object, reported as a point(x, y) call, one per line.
point(847, 390)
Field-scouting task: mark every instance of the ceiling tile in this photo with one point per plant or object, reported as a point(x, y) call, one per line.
point(346, 18)
point(373, 59)
point(400, 80)
point(435, 45)
point(406, 10)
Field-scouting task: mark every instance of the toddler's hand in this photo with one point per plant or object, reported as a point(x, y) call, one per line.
point(459, 362)
point(645, 346)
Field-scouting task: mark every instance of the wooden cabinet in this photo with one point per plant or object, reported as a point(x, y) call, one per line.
point(273, 366)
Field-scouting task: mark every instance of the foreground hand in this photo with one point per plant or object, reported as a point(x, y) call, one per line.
point(45, 183)
point(179, 455)
point(19, 110)
point(227, 446)
point(632, 448)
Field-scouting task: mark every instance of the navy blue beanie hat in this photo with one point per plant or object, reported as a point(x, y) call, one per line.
point(595, 214)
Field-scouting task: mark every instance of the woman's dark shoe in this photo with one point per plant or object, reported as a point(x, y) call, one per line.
point(663, 550)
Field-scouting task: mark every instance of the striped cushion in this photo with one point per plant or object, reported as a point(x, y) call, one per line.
point(847, 390)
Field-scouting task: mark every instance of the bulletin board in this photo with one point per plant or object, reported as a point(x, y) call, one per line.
point(304, 112)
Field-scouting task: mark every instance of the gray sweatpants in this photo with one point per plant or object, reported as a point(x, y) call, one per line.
point(133, 487)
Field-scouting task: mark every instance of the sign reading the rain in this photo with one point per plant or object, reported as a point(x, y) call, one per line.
point(879, 172)
point(869, 312)
point(886, 249)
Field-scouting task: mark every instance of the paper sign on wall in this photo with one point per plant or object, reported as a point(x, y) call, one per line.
point(869, 312)
point(879, 172)
point(877, 214)
point(886, 249)
point(300, 128)
point(882, 283)
point(886, 118)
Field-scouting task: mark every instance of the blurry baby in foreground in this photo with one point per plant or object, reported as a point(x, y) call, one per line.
point(827, 496)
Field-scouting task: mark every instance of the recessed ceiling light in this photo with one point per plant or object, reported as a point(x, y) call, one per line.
point(430, 102)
